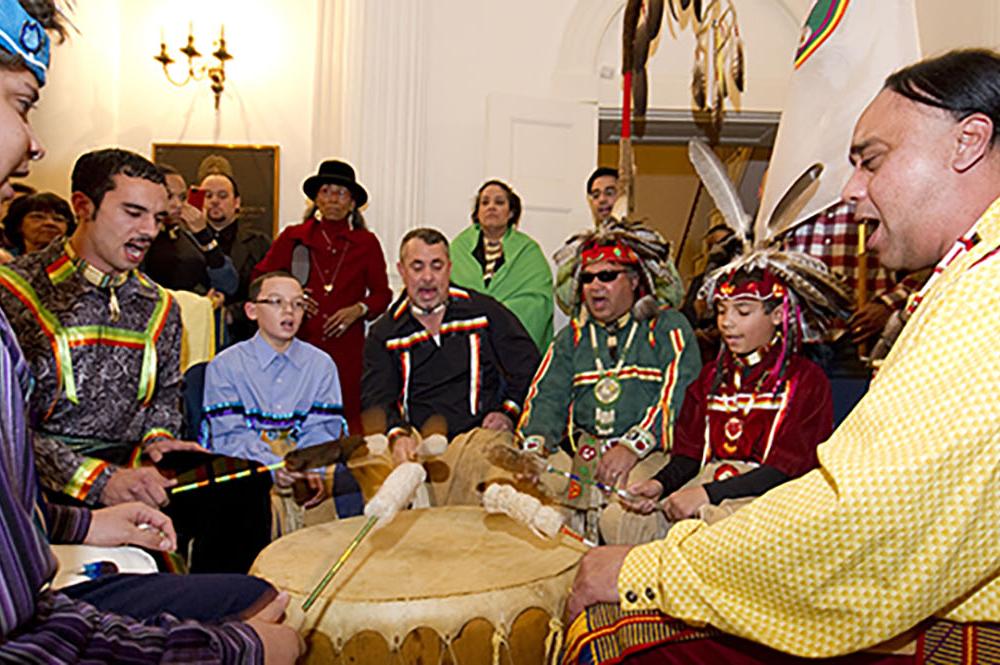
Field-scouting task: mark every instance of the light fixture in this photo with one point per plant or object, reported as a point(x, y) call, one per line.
point(215, 74)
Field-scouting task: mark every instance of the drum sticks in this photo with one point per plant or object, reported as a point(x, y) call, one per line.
point(225, 478)
point(394, 495)
point(301, 459)
point(545, 521)
point(339, 563)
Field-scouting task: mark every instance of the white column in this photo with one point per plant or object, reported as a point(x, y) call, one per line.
point(370, 105)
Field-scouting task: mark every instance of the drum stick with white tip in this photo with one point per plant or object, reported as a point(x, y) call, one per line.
point(545, 521)
point(394, 495)
point(432, 446)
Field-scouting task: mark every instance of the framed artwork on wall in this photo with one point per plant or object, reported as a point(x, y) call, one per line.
point(253, 167)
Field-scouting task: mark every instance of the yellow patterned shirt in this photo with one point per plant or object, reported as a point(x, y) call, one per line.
point(899, 523)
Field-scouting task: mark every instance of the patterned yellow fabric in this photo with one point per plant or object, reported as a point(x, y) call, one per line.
point(898, 524)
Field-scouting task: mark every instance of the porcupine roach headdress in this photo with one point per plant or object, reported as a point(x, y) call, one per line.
point(810, 295)
point(626, 242)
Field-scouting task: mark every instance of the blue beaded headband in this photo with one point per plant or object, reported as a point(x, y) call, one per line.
point(22, 35)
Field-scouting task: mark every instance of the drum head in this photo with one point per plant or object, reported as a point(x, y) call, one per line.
point(422, 554)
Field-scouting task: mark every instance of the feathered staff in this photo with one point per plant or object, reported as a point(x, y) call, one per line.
point(648, 27)
point(626, 160)
point(718, 55)
point(718, 58)
point(816, 294)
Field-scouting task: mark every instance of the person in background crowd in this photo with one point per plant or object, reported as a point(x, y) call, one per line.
point(340, 263)
point(35, 220)
point(493, 256)
point(185, 255)
point(244, 245)
point(602, 192)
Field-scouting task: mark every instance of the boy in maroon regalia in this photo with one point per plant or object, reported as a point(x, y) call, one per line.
point(754, 416)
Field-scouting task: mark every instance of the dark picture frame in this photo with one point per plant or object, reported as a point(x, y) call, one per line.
point(255, 169)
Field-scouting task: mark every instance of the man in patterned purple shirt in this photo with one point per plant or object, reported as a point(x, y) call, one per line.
point(163, 611)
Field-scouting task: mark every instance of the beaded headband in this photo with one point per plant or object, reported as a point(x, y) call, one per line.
point(22, 35)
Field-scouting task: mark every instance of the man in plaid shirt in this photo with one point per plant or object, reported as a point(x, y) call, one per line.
point(832, 237)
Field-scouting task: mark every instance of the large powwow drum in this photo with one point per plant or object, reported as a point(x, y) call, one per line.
point(440, 585)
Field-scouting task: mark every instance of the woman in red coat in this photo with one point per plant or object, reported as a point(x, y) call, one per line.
point(341, 264)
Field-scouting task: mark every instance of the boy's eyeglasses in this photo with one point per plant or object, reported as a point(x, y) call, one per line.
point(605, 276)
point(281, 303)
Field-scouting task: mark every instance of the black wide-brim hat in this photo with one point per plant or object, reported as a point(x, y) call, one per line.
point(335, 172)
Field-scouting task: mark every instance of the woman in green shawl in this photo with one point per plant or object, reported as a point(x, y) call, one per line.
point(494, 258)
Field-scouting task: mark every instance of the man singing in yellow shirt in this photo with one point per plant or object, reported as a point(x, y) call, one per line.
point(897, 528)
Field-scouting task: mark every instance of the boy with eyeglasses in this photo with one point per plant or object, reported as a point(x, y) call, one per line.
point(273, 393)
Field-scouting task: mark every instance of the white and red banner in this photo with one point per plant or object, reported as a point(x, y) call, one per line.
point(847, 49)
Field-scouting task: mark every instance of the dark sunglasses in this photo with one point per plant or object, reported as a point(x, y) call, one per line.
point(605, 276)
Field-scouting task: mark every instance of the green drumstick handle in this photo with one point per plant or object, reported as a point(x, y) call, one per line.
point(323, 583)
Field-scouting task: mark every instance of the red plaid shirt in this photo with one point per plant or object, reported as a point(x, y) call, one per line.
point(832, 237)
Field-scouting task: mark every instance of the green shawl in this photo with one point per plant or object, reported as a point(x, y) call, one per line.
point(523, 283)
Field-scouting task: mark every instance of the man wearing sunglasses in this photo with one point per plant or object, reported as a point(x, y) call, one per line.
point(619, 369)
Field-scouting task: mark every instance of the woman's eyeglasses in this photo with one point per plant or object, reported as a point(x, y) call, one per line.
point(604, 276)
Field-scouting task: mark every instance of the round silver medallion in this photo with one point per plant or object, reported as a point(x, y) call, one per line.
point(608, 390)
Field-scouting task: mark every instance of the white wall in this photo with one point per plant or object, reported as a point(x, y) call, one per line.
point(79, 106)
point(945, 25)
point(478, 49)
